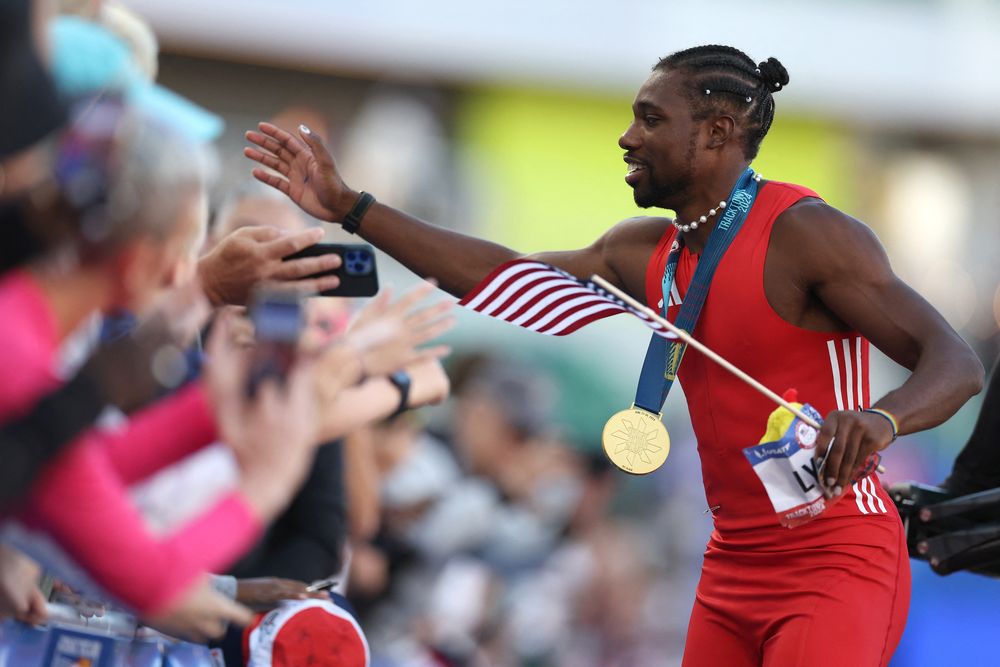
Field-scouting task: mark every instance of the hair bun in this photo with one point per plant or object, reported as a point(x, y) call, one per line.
point(773, 74)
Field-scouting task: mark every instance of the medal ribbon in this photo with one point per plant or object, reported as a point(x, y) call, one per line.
point(654, 383)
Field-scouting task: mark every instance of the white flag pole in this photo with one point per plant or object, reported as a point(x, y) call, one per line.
point(687, 338)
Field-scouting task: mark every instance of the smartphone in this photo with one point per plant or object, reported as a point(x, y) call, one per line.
point(357, 272)
point(278, 318)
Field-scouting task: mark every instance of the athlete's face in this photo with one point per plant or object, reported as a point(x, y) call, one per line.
point(660, 142)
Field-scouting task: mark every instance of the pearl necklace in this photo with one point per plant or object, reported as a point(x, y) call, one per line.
point(676, 222)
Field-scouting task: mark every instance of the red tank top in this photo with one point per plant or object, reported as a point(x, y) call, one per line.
point(829, 369)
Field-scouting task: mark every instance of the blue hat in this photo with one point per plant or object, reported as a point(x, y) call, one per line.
point(87, 59)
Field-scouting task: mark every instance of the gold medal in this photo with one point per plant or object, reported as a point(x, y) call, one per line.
point(636, 441)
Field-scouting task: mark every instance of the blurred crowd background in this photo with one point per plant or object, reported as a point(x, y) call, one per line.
point(496, 533)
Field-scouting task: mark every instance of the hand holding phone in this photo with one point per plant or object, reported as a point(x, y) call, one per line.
point(357, 271)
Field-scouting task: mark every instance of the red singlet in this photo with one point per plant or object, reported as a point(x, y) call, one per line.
point(831, 592)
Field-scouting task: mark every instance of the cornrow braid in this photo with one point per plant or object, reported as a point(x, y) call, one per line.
point(722, 79)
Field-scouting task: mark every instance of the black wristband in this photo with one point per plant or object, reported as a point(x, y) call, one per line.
point(401, 380)
point(352, 221)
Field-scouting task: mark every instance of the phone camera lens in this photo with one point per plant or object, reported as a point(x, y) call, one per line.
point(358, 263)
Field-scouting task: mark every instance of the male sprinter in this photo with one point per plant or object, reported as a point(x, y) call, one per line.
point(794, 302)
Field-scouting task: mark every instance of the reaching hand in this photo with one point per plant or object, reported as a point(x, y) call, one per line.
point(386, 337)
point(429, 383)
point(388, 334)
point(273, 435)
point(251, 255)
point(201, 614)
point(19, 593)
point(305, 170)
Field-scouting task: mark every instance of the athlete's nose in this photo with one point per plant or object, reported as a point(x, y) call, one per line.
point(629, 140)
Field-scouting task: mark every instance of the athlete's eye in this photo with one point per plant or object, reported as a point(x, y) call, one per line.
point(651, 120)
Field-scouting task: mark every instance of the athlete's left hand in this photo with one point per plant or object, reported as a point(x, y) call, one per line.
point(855, 436)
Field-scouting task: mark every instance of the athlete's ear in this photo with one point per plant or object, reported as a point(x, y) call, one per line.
point(721, 130)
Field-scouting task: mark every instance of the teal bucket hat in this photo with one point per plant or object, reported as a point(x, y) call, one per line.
point(88, 59)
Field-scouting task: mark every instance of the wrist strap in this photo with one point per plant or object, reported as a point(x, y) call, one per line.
point(401, 380)
point(352, 221)
point(888, 417)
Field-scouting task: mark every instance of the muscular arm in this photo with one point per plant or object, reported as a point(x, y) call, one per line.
point(303, 169)
point(836, 275)
point(842, 262)
point(459, 262)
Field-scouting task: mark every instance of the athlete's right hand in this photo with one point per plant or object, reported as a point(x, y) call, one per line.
point(305, 170)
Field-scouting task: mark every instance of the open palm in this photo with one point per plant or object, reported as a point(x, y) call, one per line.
point(302, 168)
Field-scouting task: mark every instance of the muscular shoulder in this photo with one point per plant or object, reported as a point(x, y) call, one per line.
point(627, 247)
point(641, 229)
point(819, 241)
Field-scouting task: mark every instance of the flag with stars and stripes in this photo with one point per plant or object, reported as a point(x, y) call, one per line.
point(542, 298)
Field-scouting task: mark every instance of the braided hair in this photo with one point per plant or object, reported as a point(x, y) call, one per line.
point(722, 79)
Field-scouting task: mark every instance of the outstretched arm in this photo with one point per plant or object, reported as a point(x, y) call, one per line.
point(848, 270)
point(303, 169)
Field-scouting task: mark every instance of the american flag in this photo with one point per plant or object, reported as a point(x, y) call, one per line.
point(542, 298)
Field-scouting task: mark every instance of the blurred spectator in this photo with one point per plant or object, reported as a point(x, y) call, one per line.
point(139, 236)
point(33, 217)
point(134, 248)
point(306, 542)
point(125, 24)
point(88, 59)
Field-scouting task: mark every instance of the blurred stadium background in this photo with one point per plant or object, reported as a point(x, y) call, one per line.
point(502, 119)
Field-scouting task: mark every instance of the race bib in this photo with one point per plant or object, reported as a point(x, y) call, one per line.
point(788, 472)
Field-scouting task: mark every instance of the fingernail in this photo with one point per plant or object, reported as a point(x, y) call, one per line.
point(837, 490)
point(304, 130)
point(830, 481)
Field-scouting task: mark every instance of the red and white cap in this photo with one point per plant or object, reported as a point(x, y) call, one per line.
point(318, 633)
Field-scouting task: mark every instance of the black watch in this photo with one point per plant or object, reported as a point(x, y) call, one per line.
point(352, 221)
point(401, 380)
